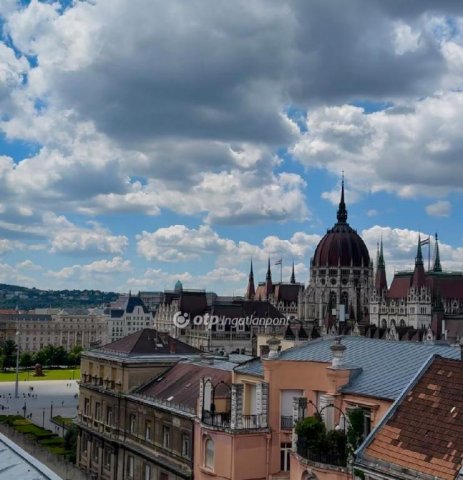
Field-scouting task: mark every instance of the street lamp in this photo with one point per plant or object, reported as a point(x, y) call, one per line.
point(17, 366)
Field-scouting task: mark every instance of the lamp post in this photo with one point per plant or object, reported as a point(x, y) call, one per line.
point(51, 410)
point(17, 366)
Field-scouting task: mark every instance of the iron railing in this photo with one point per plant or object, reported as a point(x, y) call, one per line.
point(337, 458)
point(216, 419)
point(286, 422)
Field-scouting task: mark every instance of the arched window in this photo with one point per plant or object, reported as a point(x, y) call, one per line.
point(383, 323)
point(402, 322)
point(209, 453)
point(345, 299)
point(333, 299)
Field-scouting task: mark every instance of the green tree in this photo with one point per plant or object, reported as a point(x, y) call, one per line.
point(70, 442)
point(355, 431)
point(26, 359)
point(9, 350)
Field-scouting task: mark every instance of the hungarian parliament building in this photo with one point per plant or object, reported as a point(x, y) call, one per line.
point(348, 293)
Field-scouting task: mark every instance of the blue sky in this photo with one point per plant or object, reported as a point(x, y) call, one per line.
point(178, 140)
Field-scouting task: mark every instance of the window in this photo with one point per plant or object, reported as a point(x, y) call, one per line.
point(186, 445)
point(209, 453)
point(87, 406)
point(166, 436)
point(109, 415)
point(285, 450)
point(97, 411)
point(163, 476)
point(130, 466)
point(148, 430)
point(83, 444)
point(147, 472)
point(96, 451)
point(133, 423)
point(107, 458)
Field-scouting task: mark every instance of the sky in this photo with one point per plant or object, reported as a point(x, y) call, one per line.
point(147, 141)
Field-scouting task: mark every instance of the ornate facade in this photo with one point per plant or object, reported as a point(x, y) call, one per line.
point(341, 277)
point(422, 305)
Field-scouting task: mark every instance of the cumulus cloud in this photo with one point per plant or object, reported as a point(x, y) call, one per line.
point(442, 208)
point(92, 270)
point(180, 243)
point(400, 246)
point(381, 150)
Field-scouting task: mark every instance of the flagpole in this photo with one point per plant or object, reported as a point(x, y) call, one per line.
point(281, 270)
point(429, 253)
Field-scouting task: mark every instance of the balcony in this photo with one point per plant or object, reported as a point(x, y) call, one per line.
point(332, 457)
point(216, 419)
point(286, 422)
point(254, 421)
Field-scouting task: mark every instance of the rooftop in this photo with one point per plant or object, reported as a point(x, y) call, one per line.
point(148, 342)
point(179, 386)
point(387, 366)
point(16, 463)
point(404, 442)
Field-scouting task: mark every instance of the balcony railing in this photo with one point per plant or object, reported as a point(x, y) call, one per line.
point(335, 458)
point(216, 419)
point(254, 421)
point(286, 422)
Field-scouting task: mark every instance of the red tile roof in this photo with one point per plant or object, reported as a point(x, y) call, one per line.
point(425, 432)
point(149, 342)
point(180, 385)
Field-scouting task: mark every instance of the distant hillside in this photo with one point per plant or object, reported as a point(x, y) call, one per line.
point(12, 296)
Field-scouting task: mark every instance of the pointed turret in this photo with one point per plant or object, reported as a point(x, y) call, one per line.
point(419, 277)
point(268, 281)
point(437, 266)
point(380, 280)
point(293, 276)
point(251, 290)
point(342, 211)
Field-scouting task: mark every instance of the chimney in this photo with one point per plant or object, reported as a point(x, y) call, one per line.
point(207, 359)
point(172, 346)
point(273, 346)
point(338, 350)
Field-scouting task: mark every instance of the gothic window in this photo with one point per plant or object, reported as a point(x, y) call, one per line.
point(402, 322)
point(333, 299)
point(383, 323)
point(345, 299)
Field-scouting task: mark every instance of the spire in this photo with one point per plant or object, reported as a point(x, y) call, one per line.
point(437, 266)
point(419, 253)
point(268, 278)
point(381, 263)
point(419, 276)
point(268, 281)
point(342, 212)
point(293, 277)
point(380, 280)
point(251, 290)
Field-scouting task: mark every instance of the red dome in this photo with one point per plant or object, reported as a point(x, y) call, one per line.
point(341, 246)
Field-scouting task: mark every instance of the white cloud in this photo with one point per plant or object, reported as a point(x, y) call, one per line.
point(178, 243)
point(28, 265)
point(400, 246)
point(381, 150)
point(92, 270)
point(442, 208)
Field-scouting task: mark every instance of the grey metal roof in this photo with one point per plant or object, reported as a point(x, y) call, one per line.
point(17, 463)
point(254, 367)
point(387, 366)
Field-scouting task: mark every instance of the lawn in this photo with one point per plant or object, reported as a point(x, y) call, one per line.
point(56, 374)
point(46, 438)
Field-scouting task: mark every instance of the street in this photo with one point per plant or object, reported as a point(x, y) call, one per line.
point(47, 397)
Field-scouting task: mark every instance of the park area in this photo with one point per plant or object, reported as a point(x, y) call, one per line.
point(48, 374)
